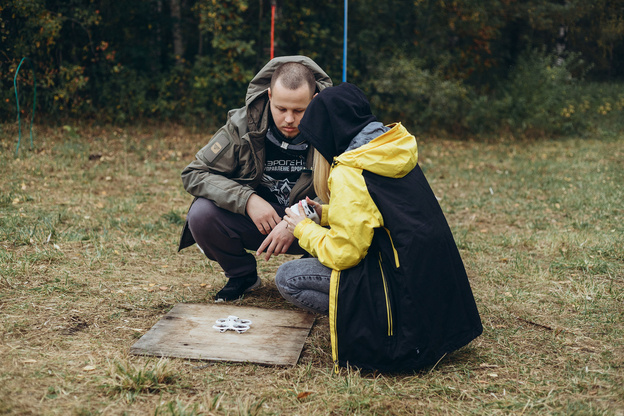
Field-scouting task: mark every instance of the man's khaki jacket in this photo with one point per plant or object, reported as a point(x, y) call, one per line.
point(230, 167)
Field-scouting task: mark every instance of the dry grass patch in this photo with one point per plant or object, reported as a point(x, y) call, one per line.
point(89, 225)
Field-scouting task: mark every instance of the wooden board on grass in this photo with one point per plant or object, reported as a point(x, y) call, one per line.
point(275, 337)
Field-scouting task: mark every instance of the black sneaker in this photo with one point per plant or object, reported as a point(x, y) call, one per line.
point(236, 286)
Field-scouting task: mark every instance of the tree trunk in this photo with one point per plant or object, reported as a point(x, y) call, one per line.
point(176, 28)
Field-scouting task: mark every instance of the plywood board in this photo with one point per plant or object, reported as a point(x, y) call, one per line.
point(275, 337)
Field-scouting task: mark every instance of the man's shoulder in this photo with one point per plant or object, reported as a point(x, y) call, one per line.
point(244, 120)
point(237, 115)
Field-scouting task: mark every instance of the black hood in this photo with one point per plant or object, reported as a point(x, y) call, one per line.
point(334, 117)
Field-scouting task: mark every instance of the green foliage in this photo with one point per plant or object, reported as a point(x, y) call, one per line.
point(458, 65)
point(544, 94)
point(533, 98)
point(536, 92)
point(420, 98)
point(173, 217)
point(130, 380)
point(219, 81)
point(314, 30)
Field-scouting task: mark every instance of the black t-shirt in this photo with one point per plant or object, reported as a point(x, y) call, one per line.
point(285, 159)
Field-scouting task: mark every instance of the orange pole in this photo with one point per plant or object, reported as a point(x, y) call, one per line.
point(272, 28)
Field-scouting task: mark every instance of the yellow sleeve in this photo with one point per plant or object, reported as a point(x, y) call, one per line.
point(352, 218)
point(324, 215)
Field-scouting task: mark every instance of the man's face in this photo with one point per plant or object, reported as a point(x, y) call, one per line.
point(288, 106)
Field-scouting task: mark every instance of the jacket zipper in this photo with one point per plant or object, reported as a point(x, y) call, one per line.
point(333, 316)
point(388, 305)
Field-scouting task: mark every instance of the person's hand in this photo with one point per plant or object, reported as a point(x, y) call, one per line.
point(262, 214)
point(293, 219)
point(316, 206)
point(277, 242)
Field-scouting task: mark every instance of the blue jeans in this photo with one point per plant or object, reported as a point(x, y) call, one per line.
point(305, 283)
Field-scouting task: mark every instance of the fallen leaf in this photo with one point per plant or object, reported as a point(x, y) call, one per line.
point(303, 395)
point(89, 368)
point(31, 361)
point(163, 288)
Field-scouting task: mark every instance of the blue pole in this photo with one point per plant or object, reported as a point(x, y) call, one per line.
point(344, 51)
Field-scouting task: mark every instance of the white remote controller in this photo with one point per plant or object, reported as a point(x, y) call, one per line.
point(307, 210)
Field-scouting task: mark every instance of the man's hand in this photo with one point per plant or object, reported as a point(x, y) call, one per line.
point(277, 242)
point(262, 214)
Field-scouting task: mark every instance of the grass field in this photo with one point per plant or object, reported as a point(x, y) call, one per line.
point(89, 225)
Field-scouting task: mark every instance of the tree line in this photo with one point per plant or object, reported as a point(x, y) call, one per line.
point(458, 65)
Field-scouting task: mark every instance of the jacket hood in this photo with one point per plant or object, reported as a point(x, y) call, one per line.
point(339, 118)
point(393, 154)
point(260, 84)
point(334, 117)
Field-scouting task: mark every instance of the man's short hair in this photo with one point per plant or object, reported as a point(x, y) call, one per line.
point(293, 75)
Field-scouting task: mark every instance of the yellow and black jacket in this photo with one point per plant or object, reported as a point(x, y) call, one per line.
point(399, 298)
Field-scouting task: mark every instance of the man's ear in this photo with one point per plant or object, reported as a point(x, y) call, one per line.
point(269, 93)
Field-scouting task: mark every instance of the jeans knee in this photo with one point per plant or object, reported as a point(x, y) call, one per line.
point(281, 280)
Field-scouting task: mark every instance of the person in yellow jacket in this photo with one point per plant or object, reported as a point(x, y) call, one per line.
point(386, 267)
